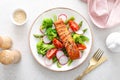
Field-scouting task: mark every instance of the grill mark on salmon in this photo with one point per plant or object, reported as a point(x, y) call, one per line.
point(67, 40)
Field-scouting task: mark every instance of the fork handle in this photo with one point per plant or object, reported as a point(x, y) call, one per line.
point(90, 68)
point(84, 73)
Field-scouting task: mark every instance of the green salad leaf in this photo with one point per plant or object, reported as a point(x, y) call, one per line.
point(80, 38)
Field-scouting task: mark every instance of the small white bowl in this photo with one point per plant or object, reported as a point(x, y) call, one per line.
point(19, 17)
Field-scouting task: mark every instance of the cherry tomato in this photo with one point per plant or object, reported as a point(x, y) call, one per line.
point(81, 46)
point(57, 43)
point(73, 25)
point(51, 53)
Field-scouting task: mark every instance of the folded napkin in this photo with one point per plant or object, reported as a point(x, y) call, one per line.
point(104, 13)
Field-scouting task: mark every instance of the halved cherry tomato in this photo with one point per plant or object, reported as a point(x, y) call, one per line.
point(73, 25)
point(81, 46)
point(51, 53)
point(57, 43)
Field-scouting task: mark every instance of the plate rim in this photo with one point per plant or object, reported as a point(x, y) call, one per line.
point(48, 11)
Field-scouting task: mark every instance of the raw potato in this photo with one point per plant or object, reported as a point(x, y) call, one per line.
point(5, 42)
point(17, 56)
point(9, 56)
point(1, 41)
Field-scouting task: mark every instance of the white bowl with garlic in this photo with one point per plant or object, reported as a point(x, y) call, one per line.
point(19, 16)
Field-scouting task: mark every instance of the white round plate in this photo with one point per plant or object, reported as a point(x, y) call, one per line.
point(49, 14)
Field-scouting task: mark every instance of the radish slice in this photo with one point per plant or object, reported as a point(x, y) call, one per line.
point(42, 31)
point(63, 60)
point(48, 62)
point(62, 16)
point(46, 40)
point(59, 54)
point(79, 31)
point(53, 27)
point(70, 29)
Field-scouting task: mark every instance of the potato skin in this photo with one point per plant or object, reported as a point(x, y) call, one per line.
point(5, 42)
point(9, 57)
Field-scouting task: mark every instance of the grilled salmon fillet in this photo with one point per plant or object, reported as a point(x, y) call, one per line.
point(67, 40)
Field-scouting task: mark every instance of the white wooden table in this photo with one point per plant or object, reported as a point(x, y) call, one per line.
point(28, 68)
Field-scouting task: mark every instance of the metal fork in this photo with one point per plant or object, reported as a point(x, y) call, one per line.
point(96, 57)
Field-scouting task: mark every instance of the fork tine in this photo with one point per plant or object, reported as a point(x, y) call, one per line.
point(99, 55)
point(93, 61)
point(96, 53)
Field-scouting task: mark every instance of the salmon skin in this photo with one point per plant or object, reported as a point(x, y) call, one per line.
point(67, 39)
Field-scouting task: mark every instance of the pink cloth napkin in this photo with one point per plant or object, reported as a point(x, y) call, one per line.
point(104, 13)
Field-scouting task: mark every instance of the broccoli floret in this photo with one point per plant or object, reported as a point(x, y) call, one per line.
point(51, 33)
point(80, 38)
point(47, 22)
point(42, 47)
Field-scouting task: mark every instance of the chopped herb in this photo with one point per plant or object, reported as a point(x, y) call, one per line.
point(58, 65)
point(84, 30)
point(37, 35)
point(80, 24)
point(67, 26)
point(82, 51)
point(65, 52)
point(69, 62)
point(54, 59)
